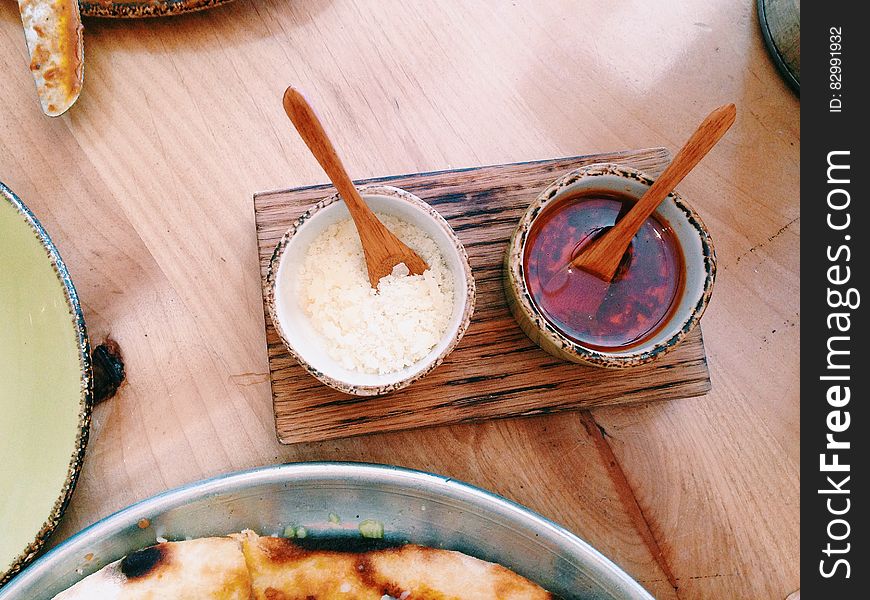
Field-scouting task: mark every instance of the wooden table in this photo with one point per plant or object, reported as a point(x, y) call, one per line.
point(146, 187)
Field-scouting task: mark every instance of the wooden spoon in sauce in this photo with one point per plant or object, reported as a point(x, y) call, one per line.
point(382, 249)
point(602, 256)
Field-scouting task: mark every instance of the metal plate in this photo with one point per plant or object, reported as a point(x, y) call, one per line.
point(414, 507)
point(144, 8)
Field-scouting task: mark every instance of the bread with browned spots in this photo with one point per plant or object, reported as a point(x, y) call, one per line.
point(246, 566)
point(205, 568)
point(283, 570)
point(53, 32)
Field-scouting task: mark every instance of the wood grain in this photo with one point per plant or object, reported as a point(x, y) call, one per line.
point(180, 122)
point(496, 371)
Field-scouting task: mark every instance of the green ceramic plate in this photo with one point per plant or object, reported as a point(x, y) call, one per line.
point(45, 385)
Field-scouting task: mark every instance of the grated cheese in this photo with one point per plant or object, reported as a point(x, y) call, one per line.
point(375, 331)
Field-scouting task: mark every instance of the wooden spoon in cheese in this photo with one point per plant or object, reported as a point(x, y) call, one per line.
point(382, 249)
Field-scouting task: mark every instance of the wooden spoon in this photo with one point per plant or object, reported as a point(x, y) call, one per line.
point(602, 256)
point(382, 249)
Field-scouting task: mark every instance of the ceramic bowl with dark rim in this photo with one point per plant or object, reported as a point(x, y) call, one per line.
point(45, 385)
point(413, 507)
point(294, 326)
point(132, 9)
point(690, 232)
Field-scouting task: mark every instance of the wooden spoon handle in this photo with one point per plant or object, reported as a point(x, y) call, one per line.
point(603, 255)
point(314, 135)
point(709, 132)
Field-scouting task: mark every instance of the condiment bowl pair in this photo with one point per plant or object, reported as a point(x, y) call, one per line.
point(689, 231)
point(296, 328)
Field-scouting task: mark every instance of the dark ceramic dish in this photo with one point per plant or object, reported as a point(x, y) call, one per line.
point(144, 8)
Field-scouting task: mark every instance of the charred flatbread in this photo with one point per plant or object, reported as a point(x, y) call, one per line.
point(283, 570)
point(204, 568)
point(251, 567)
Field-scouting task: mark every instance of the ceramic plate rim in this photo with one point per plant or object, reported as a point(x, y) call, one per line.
point(133, 9)
point(28, 553)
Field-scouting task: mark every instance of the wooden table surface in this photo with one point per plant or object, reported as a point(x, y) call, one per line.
point(146, 187)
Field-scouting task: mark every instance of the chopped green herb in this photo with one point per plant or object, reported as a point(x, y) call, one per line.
point(333, 518)
point(289, 531)
point(371, 529)
point(301, 532)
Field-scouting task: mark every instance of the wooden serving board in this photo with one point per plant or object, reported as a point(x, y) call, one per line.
point(496, 371)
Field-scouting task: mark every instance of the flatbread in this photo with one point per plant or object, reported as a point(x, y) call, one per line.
point(282, 570)
point(53, 31)
point(204, 568)
point(250, 567)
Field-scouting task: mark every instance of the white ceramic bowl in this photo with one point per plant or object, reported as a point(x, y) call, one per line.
point(690, 231)
point(295, 327)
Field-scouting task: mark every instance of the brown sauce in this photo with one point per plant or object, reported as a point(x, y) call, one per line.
point(640, 299)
